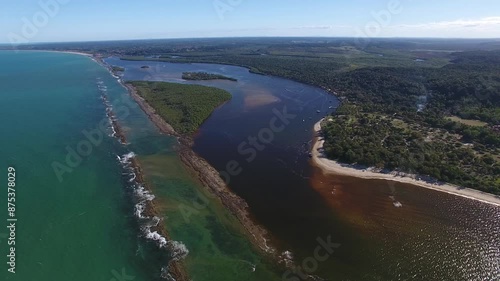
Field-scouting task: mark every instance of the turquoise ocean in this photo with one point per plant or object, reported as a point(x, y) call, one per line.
point(78, 206)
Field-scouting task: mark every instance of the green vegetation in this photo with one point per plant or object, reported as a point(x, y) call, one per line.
point(388, 142)
point(205, 76)
point(185, 107)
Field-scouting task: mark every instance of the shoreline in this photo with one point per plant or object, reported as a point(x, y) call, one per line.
point(176, 268)
point(75, 53)
point(251, 69)
point(95, 57)
point(207, 175)
point(333, 167)
point(65, 52)
point(160, 123)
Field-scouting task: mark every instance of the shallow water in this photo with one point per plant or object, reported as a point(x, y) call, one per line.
point(386, 231)
point(85, 227)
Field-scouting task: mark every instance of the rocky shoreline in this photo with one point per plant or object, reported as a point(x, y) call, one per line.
point(211, 179)
point(175, 267)
point(207, 175)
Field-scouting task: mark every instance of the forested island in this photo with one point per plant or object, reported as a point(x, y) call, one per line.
point(205, 76)
point(185, 107)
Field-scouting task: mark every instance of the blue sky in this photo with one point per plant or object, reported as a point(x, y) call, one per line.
point(29, 21)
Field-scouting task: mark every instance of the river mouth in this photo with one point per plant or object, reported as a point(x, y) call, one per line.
point(385, 231)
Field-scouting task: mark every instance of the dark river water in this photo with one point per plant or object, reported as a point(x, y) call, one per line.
point(377, 230)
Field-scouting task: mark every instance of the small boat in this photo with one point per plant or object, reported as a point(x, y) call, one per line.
point(318, 111)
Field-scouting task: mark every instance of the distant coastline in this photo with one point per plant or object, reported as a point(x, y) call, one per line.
point(333, 167)
point(207, 175)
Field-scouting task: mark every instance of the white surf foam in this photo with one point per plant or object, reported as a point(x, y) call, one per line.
point(139, 209)
point(178, 250)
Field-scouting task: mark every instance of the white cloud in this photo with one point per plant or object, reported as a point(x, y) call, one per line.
point(483, 27)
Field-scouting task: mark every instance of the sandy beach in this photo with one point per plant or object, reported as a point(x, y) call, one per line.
point(333, 167)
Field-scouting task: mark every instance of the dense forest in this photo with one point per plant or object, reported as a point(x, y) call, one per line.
point(185, 107)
